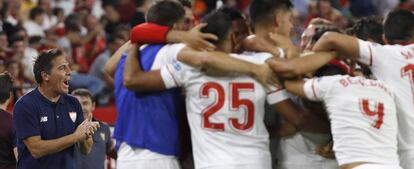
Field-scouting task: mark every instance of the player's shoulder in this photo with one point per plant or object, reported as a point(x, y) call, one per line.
point(332, 78)
point(68, 98)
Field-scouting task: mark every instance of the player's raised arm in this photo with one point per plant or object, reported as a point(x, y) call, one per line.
point(138, 80)
point(223, 63)
point(111, 64)
point(346, 45)
point(300, 66)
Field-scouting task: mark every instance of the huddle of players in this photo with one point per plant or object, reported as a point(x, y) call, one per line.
point(226, 92)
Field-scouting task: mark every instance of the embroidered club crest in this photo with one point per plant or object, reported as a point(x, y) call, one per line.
point(72, 115)
point(103, 136)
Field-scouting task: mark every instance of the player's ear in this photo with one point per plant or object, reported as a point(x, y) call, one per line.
point(45, 75)
point(385, 39)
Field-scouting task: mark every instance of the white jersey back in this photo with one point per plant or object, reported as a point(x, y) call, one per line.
point(225, 115)
point(394, 64)
point(363, 118)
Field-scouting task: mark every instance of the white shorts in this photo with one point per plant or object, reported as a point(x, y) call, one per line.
point(136, 158)
point(406, 159)
point(377, 166)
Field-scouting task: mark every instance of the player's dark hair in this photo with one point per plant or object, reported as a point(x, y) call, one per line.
point(329, 70)
point(44, 63)
point(83, 93)
point(218, 23)
point(320, 30)
point(262, 11)
point(165, 12)
point(233, 13)
point(36, 12)
point(6, 84)
point(368, 28)
point(399, 26)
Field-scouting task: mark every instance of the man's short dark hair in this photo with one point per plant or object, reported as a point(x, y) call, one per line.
point(6, 84)
point(36, 12)
point(262, 11)
point(399, 26)
point(368, 28)
point(233, 13)
point(83, 93)
point(218, 23)
point(44, 63)
point(165, 12)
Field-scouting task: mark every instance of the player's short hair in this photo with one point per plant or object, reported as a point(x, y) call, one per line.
point(262, 11)
point(6, 84)
point(399, 26)
point(320, 30)
point(43, 63)
point(83, 93)
point(368, 28)
point(330, 70)
point(165, 12)
point(218, 23)
point(233, 13)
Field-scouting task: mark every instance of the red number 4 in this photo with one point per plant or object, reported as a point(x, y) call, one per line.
point(379, 111)
point(235, 104)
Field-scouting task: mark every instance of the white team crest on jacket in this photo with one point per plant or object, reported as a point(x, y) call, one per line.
point(72, 115)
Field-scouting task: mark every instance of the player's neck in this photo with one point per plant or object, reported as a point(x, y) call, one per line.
point(49, 93)
point(263, 32)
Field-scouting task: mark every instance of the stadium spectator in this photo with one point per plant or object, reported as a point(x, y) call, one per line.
point(102, 141)
point(7, 136)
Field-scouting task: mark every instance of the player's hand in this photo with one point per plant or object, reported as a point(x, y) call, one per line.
point(265, 75)
point(326, 151)
point(198, 40)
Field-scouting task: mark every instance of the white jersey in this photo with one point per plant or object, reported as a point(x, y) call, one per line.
point(394, 64)
point(225, 115)
point(363, 118)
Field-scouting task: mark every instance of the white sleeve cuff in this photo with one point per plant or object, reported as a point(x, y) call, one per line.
point(168, 78)
point(277, 96)
point(309, 90)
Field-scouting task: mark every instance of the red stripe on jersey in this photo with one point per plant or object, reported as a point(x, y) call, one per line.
point(313, 88)
point(370, 55)
point(277, 90)
point(169, 71)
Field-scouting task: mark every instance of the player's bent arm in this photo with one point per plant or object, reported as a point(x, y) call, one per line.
point(40, 148)
point(301, 119)
point(295, 87)
point(136, 79)
point(299, 66)
point(86, 146)
point(344, 44)
point(218, 61)
point(111, 64)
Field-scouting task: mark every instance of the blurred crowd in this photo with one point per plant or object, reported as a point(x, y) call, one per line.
point(90, 31)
